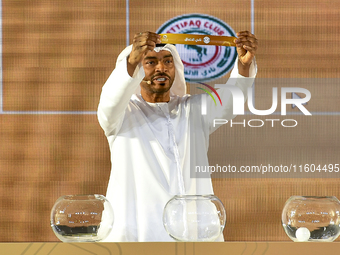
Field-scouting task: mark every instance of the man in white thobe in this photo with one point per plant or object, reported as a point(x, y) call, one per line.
point(148, 120)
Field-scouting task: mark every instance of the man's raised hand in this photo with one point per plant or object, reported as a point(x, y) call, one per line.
point(246, 46)
point(142, 43)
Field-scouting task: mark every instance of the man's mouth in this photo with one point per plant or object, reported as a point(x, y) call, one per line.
point(160, 79)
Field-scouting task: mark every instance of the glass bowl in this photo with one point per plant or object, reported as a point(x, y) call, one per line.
point(82, 218)
point(194, 218)
point(311, 219)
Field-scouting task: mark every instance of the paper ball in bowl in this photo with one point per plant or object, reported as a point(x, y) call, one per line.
point(82, 218)
point(311, 218)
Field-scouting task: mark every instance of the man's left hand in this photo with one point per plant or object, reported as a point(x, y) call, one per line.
point(246, 46)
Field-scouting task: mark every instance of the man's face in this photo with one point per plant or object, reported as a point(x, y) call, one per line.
point(159, 69)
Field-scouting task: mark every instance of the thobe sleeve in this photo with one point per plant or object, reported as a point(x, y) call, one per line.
point(115, 96)
point(225, 111)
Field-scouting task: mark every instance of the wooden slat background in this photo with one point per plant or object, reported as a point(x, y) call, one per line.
point(56, 57)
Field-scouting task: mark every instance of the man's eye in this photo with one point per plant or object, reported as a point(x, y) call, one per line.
point(150, 62)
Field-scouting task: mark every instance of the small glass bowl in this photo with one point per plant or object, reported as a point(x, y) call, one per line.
point(311, 219)
point(82, 218)
point(194, 218)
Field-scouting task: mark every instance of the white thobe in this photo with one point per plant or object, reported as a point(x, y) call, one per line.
point(150, 152)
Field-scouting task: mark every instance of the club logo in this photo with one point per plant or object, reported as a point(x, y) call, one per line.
point(202, 62)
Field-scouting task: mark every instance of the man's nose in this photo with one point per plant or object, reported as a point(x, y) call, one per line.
point(160, 67)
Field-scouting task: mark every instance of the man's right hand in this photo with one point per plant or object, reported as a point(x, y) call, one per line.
point(142, 43)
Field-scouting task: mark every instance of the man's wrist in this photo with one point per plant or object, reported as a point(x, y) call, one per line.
point(243, 69)
point(131, 66)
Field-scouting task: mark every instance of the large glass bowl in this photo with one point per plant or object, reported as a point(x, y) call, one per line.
point(82, 218)
point(194, 218)
point(311, 219)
